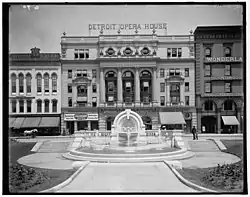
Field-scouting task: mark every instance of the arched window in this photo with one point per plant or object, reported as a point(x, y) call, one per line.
point(208, 52)
point(110, 74)
point(54, 82)
point(39, 106)
point(39, 82)
point(29, 106)
point(54, 106)
point(145, 73)
point(21, 106)
point(20, 76)
point(28, 83)
point(13, 103)
point(46, 82)
point(46, 106)
point(13, 83)
point(228, 52)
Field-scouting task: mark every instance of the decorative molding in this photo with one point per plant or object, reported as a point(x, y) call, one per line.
point(221, 94)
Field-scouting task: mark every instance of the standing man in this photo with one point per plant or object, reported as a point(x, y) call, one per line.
point(195, 134)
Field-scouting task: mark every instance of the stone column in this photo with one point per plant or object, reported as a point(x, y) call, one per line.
point(43, 104)
point(199, 111)
point(24, 85)
point(219, 120)
point(75, 126)
point(50, 106)
point(137, 86)
point(102, 84)
point(17, 85)
point(89, 96)
point(239, 119)
point(119, 86)
point(74, 94)
point(182, 90)
point(25, 106)
point(154, 85)
point(17, 106)
point(168, 93)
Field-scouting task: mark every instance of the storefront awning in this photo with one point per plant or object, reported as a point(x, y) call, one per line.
point(18, 123)
point(11, 121)
point(31, 122)
point(230, 120)
point(49, 122)
point(171, 118)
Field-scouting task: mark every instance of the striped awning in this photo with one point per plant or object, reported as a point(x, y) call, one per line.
point(230, 120)
point(31, 122)
point(171, 118)
point(17, 124)
point(11, 121)
point(49, 122)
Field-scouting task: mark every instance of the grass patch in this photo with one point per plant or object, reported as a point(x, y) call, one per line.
point(27, 179)
point(223, 178)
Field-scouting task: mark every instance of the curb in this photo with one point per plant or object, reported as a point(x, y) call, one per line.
point(66, 182)
point(188, 183)
point(37, 146)
point(219, 144)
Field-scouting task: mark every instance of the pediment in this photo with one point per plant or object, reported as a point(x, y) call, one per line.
point(79, 80)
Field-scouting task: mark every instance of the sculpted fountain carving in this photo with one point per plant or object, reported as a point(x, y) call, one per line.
point(128, 128)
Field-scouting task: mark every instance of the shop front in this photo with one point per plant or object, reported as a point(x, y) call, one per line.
point(81, 121)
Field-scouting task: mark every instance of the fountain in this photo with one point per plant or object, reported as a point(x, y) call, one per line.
point(128, 141)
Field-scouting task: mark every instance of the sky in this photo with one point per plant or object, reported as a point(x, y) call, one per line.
point(43, 27)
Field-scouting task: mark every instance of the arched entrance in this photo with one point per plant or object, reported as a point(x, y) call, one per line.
point(208, 124)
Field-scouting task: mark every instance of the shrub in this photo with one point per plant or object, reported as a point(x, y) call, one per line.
point(225, 176)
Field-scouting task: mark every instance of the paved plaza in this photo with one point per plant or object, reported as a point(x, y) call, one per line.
point(122, 177)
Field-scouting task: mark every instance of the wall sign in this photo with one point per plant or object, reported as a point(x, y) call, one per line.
point(224, 59)
point(80, 117)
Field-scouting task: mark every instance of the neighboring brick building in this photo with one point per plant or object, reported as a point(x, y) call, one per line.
point(105, 74)
point(219, 78)
point(35, 90)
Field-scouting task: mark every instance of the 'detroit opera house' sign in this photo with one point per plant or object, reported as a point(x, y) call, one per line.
point(127, 26)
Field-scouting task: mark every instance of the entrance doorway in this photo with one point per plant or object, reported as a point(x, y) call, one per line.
point(208, 124)
point(70, 127)
point(82, 125)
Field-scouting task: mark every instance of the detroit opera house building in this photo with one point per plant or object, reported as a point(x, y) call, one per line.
point(151, 74)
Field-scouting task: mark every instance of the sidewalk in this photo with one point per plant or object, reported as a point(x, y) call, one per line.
point(118, 177)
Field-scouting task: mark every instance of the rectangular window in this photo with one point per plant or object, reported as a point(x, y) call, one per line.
point(228, 87)
point(54, 106)
point(76, 54)
point(78, 73)
point(81, 54)
point(28, 86)
point(169, 52)
point(69, 88)
point(179, 52)
point(187, 100)
point(110, 98)
point(174, 52)
point(46, 106)
point(28, 106)
point(69, 74)
point(110, 86)
point(13, 106)
point(94, 101)
point(70, 101)
point(227, 70)
point(162, 98)
point(171, 72)
point(84, 73)
point(207, 70)
point(175, 99)
point(177, 72)
point(162, 86)
point(186, 72)
point(94, 73)
point(186, 86)
point(86, 53)
point(21, 106)
point(208, 87)
point(39, 106)
point(162, 73)
point(94, 88)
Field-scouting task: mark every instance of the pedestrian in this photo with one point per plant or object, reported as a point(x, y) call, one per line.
point(195, 134)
